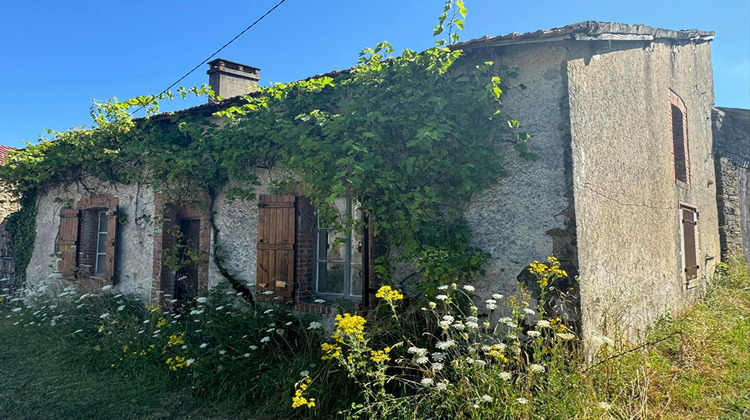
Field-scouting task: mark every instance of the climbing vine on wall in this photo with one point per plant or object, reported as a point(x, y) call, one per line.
point(412, 137)
point(21, 227)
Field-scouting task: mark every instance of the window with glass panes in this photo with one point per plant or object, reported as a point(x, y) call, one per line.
point(338, 256)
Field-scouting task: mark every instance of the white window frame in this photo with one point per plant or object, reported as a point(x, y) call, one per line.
point(349, 244)
point(99, 233)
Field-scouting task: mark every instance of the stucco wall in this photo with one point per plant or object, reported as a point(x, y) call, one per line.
point(626, 196)
point(237, 221)
point(528, 215)
point(134, 247)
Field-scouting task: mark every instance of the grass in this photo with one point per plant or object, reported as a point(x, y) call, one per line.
point(699, 367)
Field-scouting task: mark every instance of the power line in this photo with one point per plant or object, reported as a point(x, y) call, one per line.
point(216, 52)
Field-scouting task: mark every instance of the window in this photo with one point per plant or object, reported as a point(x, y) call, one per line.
point(86, 238)
point(689, 218)
point(678, 121)
point(338, 256)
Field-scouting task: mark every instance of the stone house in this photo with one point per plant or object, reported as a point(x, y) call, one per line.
point(732, 155)
point(622, 192)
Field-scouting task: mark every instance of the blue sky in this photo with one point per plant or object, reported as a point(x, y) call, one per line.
point(58, 56)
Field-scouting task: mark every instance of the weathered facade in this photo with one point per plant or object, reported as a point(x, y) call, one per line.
point(622, 191)
point(732, 155)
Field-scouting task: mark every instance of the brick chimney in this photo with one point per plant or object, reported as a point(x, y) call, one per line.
point(229, 79)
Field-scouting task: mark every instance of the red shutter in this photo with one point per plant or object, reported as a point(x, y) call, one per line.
point(67, 241)
point(276, 233)
point(689, 222)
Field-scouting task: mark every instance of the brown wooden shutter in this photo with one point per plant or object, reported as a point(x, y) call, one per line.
point(111, 241)
point(67, 241)
point(689, 222)
point(276, 233)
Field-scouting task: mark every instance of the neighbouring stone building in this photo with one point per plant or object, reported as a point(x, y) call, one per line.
point(623, 191)
point(732, 155)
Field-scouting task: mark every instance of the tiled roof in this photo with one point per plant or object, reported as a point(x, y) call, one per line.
point(4, 152)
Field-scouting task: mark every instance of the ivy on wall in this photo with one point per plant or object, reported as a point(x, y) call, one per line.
point(21, 227)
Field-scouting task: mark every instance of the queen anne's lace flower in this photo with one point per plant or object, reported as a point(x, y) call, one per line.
point(427, 381)
point(437, 366)
point(529, 311)
point(533, 333)
point(443, 345)
point(469, 288)
point(441, 297)
point(537, 368)
point(543, 323)
point(505, 376)
point(522, 400)
point(486, 398)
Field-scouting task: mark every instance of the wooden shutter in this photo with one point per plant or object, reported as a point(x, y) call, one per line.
point(67, 241)
point(689, 221)
point(109, 249)
point(276, 233)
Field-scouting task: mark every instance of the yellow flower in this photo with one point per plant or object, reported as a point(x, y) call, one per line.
point(299, 400)
point(331, 351)
point(97, 348)
point(497, 353)
point(176, 340)
point(380, 355)
point(162, 322)
point(100, 328)
point(352, 326)
point(388, 294)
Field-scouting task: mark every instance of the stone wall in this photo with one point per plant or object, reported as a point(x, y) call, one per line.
point(731, 130)
point(627, 200)
point(528, 215)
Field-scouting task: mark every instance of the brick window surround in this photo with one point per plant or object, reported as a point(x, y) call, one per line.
point(167, 221)
point(678, 125)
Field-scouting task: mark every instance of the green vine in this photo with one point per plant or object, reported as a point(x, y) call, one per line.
point(21, 227)
point(412, 137)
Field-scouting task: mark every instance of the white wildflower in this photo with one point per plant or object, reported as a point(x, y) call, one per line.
point(427, 381)
point(505, 376)
point(120, 308)
point(441, 297)
point(419, 352)
point(421, 360)
point(319, 301)
point(246, 355)
point(268, 292)
point(459, 326)
point(522, 400)
point(184, 347)
point(267, 311)
point(486, 398)
point(201, 299)
point(219, 308)
point(497, 296)
point(443, 287)
point(104, 316)
point(469, 288)
point(441, 386)
point(566, 336)
point(265, 339)
point(604, 405)
point(304, 373)
point(253, 347)
point(432, 305)
point(189, 361)
point(443, 345)
point(533, 334)
point(529, 311)
point(288, 323)
point(16, 309)
point(437, 356)
point(437, 366)
point(314, 325)
point(203, 345)
point(537, 368)
point(107, 288)
point(543, 323)
point(222, 352)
